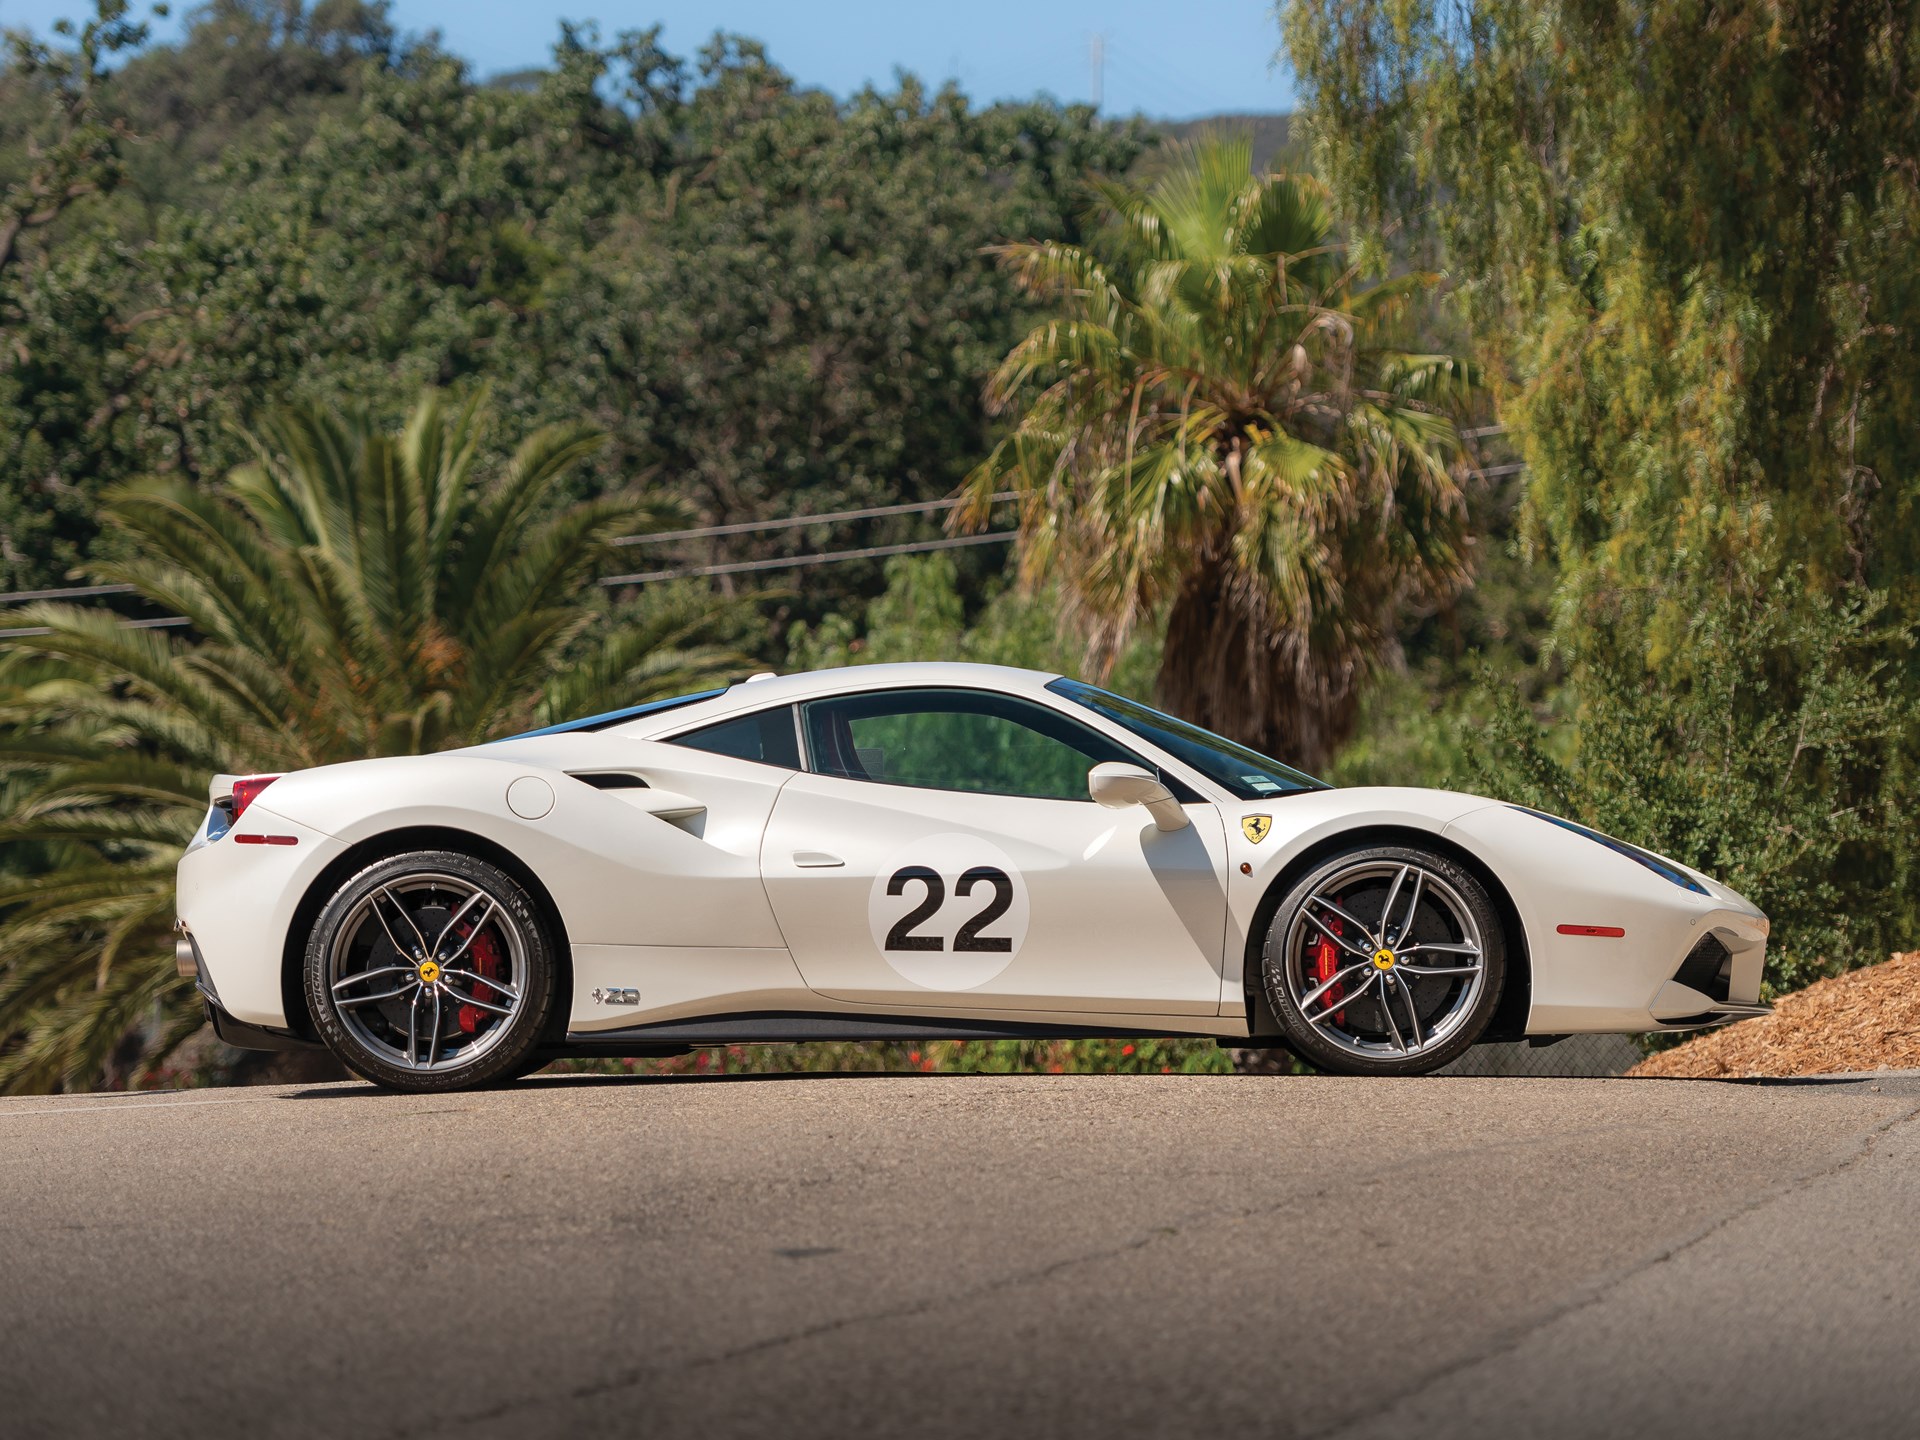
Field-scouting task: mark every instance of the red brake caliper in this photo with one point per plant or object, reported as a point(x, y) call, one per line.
point(1326, 964)
point(484, 954)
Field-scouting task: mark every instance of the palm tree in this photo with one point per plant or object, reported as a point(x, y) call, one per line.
point(349, 593)
point(1214, 424)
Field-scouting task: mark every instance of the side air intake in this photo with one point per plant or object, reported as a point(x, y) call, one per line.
point(1708, 968)
point(611, 780)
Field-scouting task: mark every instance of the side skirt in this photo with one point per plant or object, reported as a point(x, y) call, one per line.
point(779, 1027)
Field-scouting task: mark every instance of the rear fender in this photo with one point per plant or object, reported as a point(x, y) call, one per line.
point(619, 872)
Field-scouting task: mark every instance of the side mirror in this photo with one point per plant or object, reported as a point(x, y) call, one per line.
point(1116, 785)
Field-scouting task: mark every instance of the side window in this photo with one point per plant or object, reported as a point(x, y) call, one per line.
point(766, 736)
point(955, 740)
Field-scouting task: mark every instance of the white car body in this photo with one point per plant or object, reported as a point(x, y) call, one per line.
point(718, 899)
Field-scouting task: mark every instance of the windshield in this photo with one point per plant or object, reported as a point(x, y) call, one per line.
point(1245, 773)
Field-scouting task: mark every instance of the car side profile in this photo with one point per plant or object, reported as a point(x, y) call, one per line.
point(916, 852)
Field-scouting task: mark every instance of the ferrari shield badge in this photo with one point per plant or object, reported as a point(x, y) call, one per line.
point(1256, 826)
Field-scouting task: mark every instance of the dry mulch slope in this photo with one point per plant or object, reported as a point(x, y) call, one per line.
point(1864, 1020)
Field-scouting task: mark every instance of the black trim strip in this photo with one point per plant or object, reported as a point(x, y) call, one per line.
point(773, 1027)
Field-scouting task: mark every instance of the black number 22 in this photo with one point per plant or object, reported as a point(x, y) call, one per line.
point(901, 936)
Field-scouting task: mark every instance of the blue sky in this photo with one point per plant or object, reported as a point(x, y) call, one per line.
point(1172, 61)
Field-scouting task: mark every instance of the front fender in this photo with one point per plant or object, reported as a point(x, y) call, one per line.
point(1302, 825)
point(1585, 982)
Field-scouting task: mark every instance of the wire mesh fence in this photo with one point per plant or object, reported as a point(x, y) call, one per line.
point(1576, 1055)
point(1573, 1057)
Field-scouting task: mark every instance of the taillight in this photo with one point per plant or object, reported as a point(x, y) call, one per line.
point(245, 792)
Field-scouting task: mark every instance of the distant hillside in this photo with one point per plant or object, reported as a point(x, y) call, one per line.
point(1271, 135)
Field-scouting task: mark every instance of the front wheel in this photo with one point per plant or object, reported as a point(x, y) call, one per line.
point(431, 971)
point(1386, 960)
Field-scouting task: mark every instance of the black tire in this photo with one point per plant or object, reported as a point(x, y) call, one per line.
point(499, 1010)
point(1449, 1012)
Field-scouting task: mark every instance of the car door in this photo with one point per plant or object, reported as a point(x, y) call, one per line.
point(942, 852)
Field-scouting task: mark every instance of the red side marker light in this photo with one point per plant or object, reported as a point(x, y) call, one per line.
point(266, 839)
point(1599, 932)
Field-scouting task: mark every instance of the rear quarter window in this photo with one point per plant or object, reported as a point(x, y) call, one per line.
point(767, 737)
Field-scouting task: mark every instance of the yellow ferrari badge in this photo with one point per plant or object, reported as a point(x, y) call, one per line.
point(1256, 826)
point(429, 972)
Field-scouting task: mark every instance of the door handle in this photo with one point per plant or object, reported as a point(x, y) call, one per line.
point(816, 860)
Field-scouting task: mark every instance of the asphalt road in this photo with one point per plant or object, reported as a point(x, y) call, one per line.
point(966, 1256)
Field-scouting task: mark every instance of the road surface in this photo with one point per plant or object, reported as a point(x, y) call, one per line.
point(966, 1256)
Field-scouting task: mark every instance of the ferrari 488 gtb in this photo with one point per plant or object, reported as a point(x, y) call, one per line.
point(919, 851)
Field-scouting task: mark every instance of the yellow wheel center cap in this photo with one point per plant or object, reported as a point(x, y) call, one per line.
point(1383, 959)
point(428, 972)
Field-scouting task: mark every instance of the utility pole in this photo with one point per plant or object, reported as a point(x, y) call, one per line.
point(1097, 55)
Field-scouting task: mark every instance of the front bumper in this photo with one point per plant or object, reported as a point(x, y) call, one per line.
point(1723, 1014)
point(1607, 939)
point(1716, 983)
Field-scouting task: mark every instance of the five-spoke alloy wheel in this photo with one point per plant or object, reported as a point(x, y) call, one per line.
point(430, 971)
point(1386, 960)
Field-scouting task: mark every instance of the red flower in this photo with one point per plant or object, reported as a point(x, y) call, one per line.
point(1126, 1049)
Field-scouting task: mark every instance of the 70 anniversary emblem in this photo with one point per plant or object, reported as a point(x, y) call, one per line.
point(950, 913)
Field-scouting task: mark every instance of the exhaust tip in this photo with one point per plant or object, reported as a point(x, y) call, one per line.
point(186, 958)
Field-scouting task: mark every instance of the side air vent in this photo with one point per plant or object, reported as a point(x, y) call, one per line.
point(1708, 968)
point(613, 780)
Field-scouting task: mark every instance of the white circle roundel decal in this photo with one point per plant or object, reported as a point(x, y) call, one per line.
point(949, 912)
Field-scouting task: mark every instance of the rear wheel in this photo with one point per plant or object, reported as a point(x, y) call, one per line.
point(431, 971)
point(1386, 960)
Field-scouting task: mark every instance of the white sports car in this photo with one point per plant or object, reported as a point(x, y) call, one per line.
point(919, 851)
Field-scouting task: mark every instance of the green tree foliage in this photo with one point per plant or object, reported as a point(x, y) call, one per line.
point(775, 301)
point(1218, 420)
point(61, 150)
point(1417, 717)
point(243, 65)
point(69, 148)
point(1683, 235)
point(350, 593)
point(1685, 231)
point(924, 615)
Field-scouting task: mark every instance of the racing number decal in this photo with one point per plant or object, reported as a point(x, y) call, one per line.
point(951, 914)
point(901, 936)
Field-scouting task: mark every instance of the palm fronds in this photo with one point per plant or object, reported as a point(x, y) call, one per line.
point(1218, 423)
point(350, 593)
